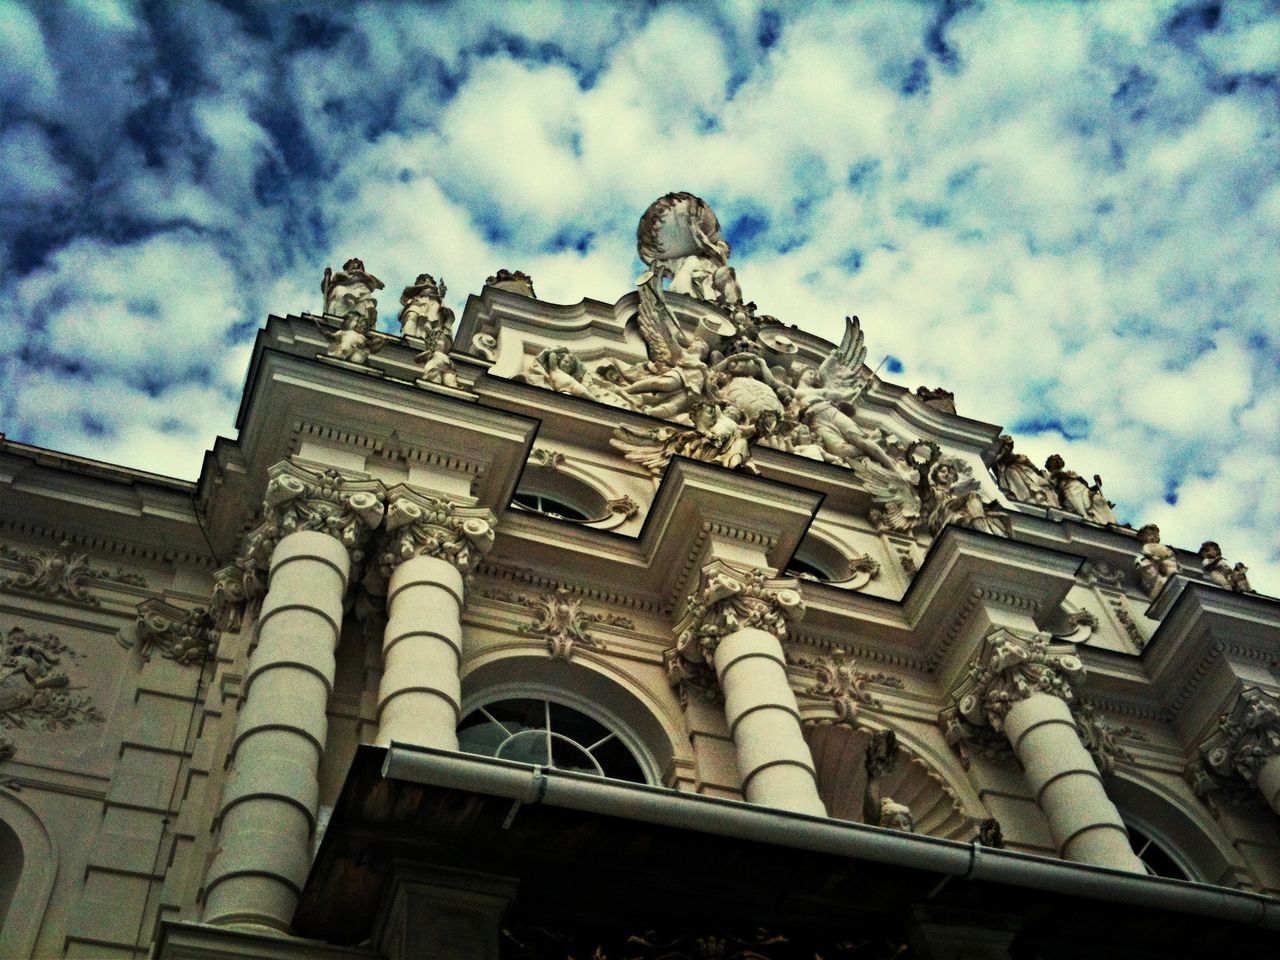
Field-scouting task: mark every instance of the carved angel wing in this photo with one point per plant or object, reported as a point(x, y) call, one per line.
point(840, 368)
point(898, 502)
point(659, 328)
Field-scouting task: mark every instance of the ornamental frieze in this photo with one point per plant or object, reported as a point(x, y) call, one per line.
point(36, 690)
point(61, 573)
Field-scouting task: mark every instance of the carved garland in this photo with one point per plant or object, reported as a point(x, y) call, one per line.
point(36, 692)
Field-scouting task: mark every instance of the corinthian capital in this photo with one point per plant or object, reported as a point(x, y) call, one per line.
point(1010, 667)
point(1246, 736)
point(421, 525)
point(345, 506)
point(733, 597)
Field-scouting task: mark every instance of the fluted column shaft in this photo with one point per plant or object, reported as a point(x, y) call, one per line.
point(419, 698)
point(774, 760)
point(1084, 823)
point(269, 805)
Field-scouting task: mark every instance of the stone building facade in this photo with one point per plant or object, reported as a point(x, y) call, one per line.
point(648, 629)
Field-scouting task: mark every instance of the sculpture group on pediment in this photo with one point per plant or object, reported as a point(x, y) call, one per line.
point(35, 689)
point(1022, 479)
point(1219, 571)
point(562, 370)
point(1054, 486)
point(928, 492)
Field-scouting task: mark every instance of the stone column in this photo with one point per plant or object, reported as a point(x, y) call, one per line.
point(1020, 686)
point(734, 625)
point(1245, 745)
point(314, 524)
point(432, 544)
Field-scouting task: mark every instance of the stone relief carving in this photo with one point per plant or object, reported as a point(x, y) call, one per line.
point(1220, 572)
point(422, 525)
point(729, 597)
point(562, 622)
point(938, 491)
point(1102, 739)
point(1021, 479)
point(36, 691)
point(623, 505)
point(1156, 563)
point(513, 280)
point(718, 436)
point(1244, 739)
point(561, 370)
point(187, 636)
point(424, 315)
point(60, 573)
point(838, 680)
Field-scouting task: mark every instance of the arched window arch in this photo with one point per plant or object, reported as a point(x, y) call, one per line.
point(555, 493)
point(542, 731)
point(818, 558)
point(1159, 859)
point(28, 867)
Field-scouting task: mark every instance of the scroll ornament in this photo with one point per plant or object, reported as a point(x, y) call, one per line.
point(185, 636)
point(1246, 736)
point(61, 572)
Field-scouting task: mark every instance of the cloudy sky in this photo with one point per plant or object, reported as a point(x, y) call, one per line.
point(1067, 214)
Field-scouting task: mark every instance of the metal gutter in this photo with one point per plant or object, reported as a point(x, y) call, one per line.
point(731, 818)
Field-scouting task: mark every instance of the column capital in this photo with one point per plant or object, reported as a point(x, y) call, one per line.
point(731, 597)
point(1245, 737)
point(344, 506)
point(422, 524)
point(1009, 667)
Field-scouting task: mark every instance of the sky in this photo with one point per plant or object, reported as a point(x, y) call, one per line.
point(1066, 213)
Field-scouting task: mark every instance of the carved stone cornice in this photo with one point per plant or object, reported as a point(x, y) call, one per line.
point(345, 506)
point(732, 597)
point(61, 573)
point(1009, 667)
point(1245, 737)
point(423, 525)
point(187, 636)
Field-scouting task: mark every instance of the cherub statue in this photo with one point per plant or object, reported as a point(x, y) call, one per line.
point(354, 341)
point(1073, 492)
point(422, 310)
point(1157, 563)
point(719, 435)
point(348, 294)
point(679, 388)
point(1022, 479)
point(1217, 570)
point(823, 395)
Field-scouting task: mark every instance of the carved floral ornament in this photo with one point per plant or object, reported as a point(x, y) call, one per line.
point(185, 636)
point(36, 690)
point(420, 525)
point(60, 573)
point(562, 620)
point(837, 680)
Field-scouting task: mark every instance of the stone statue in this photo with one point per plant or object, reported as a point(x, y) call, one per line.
point(423, 314)
point(721, 434)
point(1217, 570)
point(679, 237)
point(937, 398)
point(348, 294)
point(514, 281)
point(422, 310)
point(880, 759)
point(354, 341)
point(823, 394)
point(679, 388)
point(1022, 479)
point(1157, 563)
point(1100, 508)
point(1073, 492)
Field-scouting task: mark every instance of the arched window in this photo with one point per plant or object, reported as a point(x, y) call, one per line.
point(10, 869)
point(554, 493)
point(1158, 859)
point(548, 734)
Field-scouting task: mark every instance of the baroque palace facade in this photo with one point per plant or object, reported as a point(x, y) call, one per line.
point(648, 629)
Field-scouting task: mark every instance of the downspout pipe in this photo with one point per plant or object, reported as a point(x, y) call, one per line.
point(744, 821)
